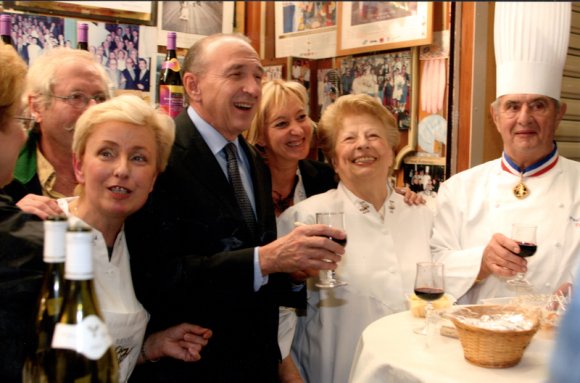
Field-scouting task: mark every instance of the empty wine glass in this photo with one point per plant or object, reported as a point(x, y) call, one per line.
point(429, 286)
point(327, 278)
point(525, 236)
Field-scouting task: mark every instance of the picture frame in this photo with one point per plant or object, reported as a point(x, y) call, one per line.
point(416, 166)
point(392, 78)
point(178, 16)
point(365, 26)
point(275, 69)
point(118, 12)
point(305, 29)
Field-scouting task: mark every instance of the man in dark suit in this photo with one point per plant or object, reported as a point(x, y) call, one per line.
point(194, 257)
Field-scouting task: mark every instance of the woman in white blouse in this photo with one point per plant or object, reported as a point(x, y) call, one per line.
point(386, 237)
point(119, 148)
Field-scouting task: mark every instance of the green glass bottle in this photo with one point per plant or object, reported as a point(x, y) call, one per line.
point(81, 342)
point(50, 301)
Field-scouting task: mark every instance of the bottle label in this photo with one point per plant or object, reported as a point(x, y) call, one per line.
point(171, 99)
point(89, 338)
point(172, 64)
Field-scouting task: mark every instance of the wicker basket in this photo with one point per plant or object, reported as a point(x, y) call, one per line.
point(493, 348)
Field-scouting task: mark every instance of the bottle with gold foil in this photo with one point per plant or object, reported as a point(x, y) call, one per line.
point(50, 301)
point(81, 342)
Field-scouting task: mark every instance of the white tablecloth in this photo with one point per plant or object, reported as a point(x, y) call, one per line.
point(389, 351)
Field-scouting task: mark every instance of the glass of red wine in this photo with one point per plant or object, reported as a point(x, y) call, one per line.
point(429, 286)
point(327, 278)
point(525, 236)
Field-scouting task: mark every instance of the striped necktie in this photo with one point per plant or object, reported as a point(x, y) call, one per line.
point(236, 182)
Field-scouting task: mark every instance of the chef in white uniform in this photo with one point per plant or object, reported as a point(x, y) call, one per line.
point(530, 183)
point(120, 147)
point(386, 237)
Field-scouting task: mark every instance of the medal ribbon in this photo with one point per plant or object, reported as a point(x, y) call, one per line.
point(534, 170)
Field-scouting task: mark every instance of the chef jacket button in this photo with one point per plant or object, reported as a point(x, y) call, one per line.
point(392, 270)
point(560, 205)
point(558, 244)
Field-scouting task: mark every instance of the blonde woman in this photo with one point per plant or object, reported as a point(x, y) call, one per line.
point(119, 148)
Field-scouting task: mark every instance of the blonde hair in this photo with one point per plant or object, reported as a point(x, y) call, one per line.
point(354, 104)
point(129, 109)
point(41, 76)
point(275, 94)
point(12, 79)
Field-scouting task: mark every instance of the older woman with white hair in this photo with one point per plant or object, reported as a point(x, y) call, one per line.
point(386, 237)
point(119, 148)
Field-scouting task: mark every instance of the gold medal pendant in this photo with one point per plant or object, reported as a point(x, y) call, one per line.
point(521, 191)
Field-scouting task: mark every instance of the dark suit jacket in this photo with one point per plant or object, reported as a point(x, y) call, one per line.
point(131, 82)
point(21, 270)
point(317, 177)
point(192, 261)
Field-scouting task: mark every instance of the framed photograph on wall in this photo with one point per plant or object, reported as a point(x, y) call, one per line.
point(391, 78)
point(424, 176)
point(192, 20)
point(134, 12)
point(275, 69)
point(305, 29)
point(365, 26)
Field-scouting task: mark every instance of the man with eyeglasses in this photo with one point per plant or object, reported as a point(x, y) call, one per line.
point(61, 85)
point(529, 184)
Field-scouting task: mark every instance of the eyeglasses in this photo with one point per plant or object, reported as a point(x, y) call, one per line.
point(27, 123)
point(79, 100)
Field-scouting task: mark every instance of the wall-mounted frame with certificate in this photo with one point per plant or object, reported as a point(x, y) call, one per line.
point(192, 20)
point(305, 29)
point(365, 26)
point(391, 77)
point(133, 12)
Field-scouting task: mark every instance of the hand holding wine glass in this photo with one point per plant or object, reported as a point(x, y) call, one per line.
point(525, 236)
point(336, 220)
point(429, 286)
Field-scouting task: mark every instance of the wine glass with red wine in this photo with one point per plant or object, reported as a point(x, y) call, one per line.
point(429, 286)
point(327, 278)
point(525, 236)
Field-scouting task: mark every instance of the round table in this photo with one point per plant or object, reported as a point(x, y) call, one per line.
point(389, 351)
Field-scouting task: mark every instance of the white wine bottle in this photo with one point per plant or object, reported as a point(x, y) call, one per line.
point(50, 301)
point(171, 93)
point(81, 341)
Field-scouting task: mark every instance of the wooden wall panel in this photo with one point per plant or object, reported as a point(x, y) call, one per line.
point(568, 134)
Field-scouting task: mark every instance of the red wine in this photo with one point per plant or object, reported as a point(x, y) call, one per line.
point(5, 27)
point(341, 242)
point(82, 36)
point(171, 93)
point(527, 249)
point(428, 293)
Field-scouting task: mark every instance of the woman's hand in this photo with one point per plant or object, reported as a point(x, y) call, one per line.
point(183, 342)
point(411, 198)
point(39, 205)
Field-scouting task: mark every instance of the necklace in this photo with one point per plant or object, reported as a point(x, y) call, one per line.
point(282, 203)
